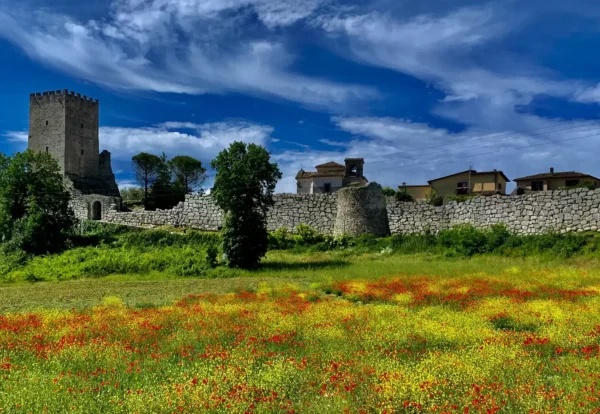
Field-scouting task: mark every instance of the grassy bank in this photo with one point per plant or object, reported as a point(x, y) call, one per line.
point(102, 250)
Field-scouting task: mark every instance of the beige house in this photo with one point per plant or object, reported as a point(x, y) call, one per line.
point(556, 180)
point(331, 176)
point(418, 192)
point(471, 182)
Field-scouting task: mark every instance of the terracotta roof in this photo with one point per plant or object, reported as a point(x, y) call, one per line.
point(330, 164)
point(560, 174)
point(414, 186)
point(473, 172)
point(311, 174)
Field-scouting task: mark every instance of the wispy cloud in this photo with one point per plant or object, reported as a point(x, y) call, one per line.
point(203, 141)
point(16, 136)
point(180, 46)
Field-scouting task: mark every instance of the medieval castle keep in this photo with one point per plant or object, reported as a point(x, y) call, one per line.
point(65, 125)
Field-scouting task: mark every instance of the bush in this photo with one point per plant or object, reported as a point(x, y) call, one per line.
point(434, 198)
point(308, 235)
point(403, 196)
point(464, 240)
point(281, 239)
point(388, 191)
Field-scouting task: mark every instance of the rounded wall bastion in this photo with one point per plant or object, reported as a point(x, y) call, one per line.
point(361, 210)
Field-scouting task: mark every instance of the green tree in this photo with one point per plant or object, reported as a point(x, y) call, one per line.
point(147, 169)
point(243, 189)
point(388, 191)
point(35, 215)
point(188, 171)
point(164, 194)
point(132, 194)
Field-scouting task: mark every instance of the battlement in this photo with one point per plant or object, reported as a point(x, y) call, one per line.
point(63, 93)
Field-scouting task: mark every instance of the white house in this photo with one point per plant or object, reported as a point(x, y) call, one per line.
point(330, 177)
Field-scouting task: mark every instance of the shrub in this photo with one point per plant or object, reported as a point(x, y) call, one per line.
point(281, 239)
point(308, 234)
point(388, 191)
point(463, 240)
point(434, 198)
point(403, 196)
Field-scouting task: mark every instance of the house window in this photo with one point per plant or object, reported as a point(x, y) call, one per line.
point(462, 188)
point(537, 186)
point(572, 183)
point(327, 188)
point(499, 187)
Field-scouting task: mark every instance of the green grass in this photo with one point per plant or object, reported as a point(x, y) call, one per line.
point(280, 268)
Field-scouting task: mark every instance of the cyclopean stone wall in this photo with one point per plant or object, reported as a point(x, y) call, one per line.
point(534, 213)
point(200, 212)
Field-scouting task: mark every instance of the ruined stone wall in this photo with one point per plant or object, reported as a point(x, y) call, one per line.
point(83, 206)
point(535, 213)
point(200, 212)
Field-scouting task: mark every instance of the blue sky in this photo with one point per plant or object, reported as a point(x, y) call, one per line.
point(419, 88)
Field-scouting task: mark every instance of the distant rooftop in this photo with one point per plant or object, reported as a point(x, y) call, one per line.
point(559, 174)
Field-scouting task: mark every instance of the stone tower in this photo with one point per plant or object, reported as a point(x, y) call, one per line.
point(65, 124)
point(361, 210)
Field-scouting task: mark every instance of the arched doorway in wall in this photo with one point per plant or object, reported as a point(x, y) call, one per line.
point(96, 210)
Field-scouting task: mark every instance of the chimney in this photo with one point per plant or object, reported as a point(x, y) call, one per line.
point(551, 170)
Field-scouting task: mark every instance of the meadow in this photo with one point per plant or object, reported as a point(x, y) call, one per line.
point(369, 327)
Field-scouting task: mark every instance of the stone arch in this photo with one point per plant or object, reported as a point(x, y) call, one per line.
point(96, 210)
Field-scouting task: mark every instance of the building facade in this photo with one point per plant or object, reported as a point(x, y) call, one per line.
point(552, 180)
point(331, 176)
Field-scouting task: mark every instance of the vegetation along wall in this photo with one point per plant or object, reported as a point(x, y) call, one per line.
point(534, 213)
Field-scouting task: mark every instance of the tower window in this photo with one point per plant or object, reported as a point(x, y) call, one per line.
point(81, 126)
point(81, 152)
point(46, 149)
point(46, 122)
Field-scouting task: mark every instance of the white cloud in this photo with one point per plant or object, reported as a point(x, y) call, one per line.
point(183, 46)
point(204, 141)
point(397, 151)
point(16, 136)
point(443, 50)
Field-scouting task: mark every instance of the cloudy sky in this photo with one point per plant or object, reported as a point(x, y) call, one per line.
point(419, 88)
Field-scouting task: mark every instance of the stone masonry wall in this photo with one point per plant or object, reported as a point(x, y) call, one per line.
point(200, 212)
point(534, 213)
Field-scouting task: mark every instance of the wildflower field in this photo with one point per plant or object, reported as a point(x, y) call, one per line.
point(509, 340)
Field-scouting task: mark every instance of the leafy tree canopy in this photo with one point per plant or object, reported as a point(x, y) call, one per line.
point(35, 215)
point(147, 168)
point(243, 189)
point(188, 171)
